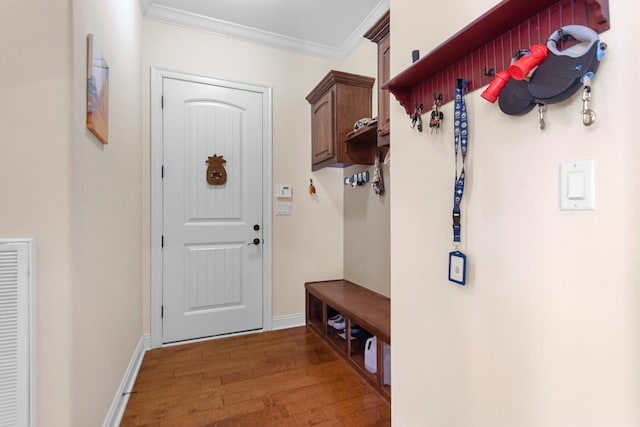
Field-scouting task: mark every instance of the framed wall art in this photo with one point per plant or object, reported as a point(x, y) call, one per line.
point(97, 92)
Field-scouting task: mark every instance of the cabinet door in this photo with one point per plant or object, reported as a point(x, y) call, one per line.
point(384, 67)
point(322, 128)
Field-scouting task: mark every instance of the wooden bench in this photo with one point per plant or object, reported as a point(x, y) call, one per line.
point(362, 308)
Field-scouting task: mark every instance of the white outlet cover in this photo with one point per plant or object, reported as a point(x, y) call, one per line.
point(577, 185)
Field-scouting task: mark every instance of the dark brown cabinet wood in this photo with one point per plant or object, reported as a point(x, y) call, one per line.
point(337, 102)
point(380, 34)
point(322, 123)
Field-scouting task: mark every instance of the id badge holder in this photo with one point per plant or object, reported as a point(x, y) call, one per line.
point(458, 267)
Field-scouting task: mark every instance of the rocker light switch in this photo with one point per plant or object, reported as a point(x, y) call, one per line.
point(577, 185)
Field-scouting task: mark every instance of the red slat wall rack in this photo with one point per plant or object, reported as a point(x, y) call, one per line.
point(490, 42)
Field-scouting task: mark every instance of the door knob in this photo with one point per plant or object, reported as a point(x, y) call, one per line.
point(256, 242)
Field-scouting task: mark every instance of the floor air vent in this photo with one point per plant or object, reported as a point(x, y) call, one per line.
point(16, 333)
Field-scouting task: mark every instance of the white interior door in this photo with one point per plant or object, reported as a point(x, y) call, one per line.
point(212, 271)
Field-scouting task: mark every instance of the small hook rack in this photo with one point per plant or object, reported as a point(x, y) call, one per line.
point(357, 179)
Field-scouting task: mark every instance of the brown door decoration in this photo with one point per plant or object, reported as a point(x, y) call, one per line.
point(216, 174)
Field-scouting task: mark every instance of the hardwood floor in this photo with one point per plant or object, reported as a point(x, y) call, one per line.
point(280, 378)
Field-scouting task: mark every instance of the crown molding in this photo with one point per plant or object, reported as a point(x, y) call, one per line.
point(192, 20)
point(144, 6)
point(356, 37)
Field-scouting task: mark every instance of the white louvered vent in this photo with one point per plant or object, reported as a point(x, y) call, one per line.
point(16, 292)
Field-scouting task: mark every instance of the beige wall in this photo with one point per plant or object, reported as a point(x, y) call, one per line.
point(367, 258)
point(308, 245)
point(106, 211)
point(366, 241)
point(35, 177)
point(546, 331)
point(78, 199)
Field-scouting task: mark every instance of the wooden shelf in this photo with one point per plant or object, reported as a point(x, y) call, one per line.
point(363, 135)
point(490, 41)
point(362, 143)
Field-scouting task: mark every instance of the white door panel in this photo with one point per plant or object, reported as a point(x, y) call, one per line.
point(212, 275)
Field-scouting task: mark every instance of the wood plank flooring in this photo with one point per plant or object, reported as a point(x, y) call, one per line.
point(280, 378)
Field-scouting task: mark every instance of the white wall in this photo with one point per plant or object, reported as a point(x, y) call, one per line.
point(106, 211)
point(546, 331)
point(35, 179)
point(308, 245)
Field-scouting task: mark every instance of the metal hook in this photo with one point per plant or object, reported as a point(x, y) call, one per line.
point(489, 73)
point(541, 109)
point(588, 115)
point(519, 53)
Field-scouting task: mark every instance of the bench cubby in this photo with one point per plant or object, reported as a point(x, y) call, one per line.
point(367, 314)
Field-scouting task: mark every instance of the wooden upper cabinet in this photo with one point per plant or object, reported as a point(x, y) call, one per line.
point(381, 35)
point(384, 66)
point(322, 128)
point(337, 102)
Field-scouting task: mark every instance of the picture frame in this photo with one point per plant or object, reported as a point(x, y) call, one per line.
point(97, 91)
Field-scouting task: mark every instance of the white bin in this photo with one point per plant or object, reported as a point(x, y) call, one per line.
point(371, 355)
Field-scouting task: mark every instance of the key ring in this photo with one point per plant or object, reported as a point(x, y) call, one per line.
point(436, 114)
point(416, 118)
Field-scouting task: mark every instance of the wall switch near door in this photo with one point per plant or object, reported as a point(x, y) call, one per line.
point(283, 208)
point(284, 191)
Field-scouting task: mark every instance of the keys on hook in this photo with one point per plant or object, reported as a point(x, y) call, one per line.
point(416, 118)
point(436, 114)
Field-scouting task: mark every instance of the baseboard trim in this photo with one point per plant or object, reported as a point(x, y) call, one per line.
point(288, 321)
point(122, 395)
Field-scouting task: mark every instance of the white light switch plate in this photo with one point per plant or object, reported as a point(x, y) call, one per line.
point(283, 208)
point(577, 185)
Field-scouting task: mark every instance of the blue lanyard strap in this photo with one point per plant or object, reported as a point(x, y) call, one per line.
point(460, 134)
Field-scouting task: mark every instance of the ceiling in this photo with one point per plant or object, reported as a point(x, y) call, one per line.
point(326, 28)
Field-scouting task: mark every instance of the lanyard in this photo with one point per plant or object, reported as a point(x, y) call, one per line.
point(460, 134)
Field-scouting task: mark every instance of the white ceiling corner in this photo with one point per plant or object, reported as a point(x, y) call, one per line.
point(356, 36)
point(191, 13)
point(144, 6)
